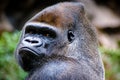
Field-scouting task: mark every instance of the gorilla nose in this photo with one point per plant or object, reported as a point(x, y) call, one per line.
point(32, 41)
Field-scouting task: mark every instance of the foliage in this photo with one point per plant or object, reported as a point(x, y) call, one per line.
point(111, 59)
point(9, 69)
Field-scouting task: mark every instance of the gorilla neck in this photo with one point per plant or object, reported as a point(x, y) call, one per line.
point(54, 70)
point(63, 70)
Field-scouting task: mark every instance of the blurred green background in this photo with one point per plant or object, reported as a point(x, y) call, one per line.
point(9, 69)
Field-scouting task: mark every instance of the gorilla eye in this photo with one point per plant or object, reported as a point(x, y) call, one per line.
point(49, 34)
point(71, 36)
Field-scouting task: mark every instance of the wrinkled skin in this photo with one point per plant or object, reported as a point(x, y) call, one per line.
point(58, 43)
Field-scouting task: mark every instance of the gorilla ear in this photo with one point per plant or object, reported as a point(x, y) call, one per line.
point(70, 36)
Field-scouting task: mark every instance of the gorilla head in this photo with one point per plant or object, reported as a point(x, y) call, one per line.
point(58, 43)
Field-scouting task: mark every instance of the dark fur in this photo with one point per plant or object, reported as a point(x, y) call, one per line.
point(64, 60)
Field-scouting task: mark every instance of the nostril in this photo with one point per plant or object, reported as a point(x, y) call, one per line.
point(34, 42)
point(27, 40)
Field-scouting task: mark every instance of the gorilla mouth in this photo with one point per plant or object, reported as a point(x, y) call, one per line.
point(28, 58)
point(30, 50)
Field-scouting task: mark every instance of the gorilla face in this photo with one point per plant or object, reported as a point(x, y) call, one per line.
point(39, 42)
point(36, 44)
point(58, 43)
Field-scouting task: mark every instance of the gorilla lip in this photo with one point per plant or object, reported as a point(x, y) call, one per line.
point(31, 51)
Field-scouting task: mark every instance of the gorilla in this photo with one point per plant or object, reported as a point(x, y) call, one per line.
point(59, 43)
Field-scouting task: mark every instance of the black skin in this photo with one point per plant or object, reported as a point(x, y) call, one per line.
point(58, 43)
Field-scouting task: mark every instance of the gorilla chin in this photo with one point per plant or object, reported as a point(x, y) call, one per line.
point(28, 58)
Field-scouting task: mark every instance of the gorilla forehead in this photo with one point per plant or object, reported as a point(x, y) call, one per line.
point(60, 15)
